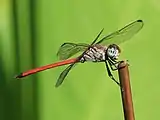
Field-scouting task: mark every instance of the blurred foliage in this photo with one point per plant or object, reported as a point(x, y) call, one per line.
point(31, 32)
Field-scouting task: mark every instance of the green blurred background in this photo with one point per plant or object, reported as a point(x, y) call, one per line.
point(31, 32)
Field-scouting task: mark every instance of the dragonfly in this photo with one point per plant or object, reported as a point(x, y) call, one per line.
point(105, 50)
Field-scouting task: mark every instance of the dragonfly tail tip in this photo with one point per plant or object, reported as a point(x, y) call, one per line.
point(19, 76)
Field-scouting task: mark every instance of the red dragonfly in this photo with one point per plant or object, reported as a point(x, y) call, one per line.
point(105, 50)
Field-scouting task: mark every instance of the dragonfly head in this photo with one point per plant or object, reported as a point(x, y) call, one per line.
point(113, 51)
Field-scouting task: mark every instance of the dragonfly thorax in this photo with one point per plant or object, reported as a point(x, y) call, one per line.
point(95, 53)
point(113, 51)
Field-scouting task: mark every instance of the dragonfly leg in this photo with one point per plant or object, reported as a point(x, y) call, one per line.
point(110, 74)
point(113, 63)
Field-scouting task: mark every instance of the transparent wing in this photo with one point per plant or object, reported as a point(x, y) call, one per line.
point(63, 75)
point(123, 34)
point(69, 49)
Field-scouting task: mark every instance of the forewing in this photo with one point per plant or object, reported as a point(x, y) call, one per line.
point(69, 49)
point(123, 34)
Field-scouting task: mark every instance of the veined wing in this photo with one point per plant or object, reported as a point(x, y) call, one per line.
point(64, 74)
point(69, 49)
point(123, 34)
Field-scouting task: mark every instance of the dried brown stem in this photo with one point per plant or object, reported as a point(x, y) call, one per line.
point(126, 91)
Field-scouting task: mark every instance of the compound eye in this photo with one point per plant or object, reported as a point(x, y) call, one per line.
point(110, 52)
point(113, 51)
point(116, 52)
